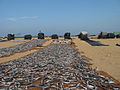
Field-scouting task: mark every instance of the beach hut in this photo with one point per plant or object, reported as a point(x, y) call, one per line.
point(40, 35)
point(10, 37)
point(67, 35)
point(28, 37)
point(83, 36)
point(118, 36)
point(110, 35)
point(102, 35)
point(54, 36)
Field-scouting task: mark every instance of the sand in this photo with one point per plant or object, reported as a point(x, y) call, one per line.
point(105, 58)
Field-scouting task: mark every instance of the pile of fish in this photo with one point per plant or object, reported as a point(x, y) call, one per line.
point(62, 41)
point(21, 47)
point(55, 67)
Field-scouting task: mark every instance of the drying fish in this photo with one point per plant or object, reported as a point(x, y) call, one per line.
point(21, 47)
point(57, 67)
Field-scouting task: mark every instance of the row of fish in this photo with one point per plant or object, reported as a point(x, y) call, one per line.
point(21, 47)
point(55, 67)
point(62, 41)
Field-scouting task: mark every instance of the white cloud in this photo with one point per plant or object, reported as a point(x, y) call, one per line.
point(12, 19)
point(26, 17)
point(21, 18)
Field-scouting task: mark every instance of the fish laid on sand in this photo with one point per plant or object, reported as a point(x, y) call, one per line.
point(56, 67)
point(21, 47)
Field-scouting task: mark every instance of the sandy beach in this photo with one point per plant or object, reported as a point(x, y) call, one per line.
point(104, 58)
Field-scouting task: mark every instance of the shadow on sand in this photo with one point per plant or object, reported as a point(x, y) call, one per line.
point(3, 40)
point(95, 43)
point(118, 45)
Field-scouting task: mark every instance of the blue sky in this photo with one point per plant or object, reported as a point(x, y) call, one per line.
point(59, 16)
